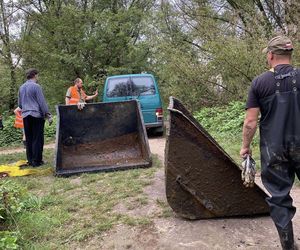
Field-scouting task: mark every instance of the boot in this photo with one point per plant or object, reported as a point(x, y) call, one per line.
point(286, 236)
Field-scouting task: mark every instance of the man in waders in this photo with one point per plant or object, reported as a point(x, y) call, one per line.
point(275, 94)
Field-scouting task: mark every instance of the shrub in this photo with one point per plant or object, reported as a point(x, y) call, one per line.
point(225, 120)
point(9, 135)
point(12, 136)
point(8, 240)
point(11, 200)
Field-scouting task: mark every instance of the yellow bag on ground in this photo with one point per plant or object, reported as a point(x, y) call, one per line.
point(15, 169)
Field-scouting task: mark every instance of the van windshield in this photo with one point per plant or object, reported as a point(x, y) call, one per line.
point(134, 86)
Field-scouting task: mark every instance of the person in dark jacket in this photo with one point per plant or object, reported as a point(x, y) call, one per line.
point(34, 112)
point(1, 123)
point(275, 95)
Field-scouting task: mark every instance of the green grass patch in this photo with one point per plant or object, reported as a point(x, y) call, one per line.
point(166, 210)
point(61, 211)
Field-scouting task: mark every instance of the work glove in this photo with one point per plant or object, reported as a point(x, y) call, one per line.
point(80, 105)
point(248, 172)
point(49, 118)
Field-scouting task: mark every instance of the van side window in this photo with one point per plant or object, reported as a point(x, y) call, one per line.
point(142, 86)
point(118, 87)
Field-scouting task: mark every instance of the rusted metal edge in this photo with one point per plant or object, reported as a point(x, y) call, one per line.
point(184, 195)
point(96, 169)
point(201, 129)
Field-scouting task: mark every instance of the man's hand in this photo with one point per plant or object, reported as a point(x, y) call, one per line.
point(49, 119)
point(80, 105)
point(245, 151)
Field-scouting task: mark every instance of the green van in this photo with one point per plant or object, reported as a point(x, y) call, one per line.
point(141, 87)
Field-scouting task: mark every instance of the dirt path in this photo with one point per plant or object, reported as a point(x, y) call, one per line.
point(174, 233)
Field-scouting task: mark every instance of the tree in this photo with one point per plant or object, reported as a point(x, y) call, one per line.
point(10, 19)
point(211, 50)
point(88, 39)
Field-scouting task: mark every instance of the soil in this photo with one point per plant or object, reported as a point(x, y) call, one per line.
point(117, 151)
point(174, 233)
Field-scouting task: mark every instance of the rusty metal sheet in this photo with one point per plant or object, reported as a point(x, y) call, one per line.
point(202, 180)
point(101, 137)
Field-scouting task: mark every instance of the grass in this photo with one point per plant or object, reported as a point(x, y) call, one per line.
point(74, 209)
point(66, 212)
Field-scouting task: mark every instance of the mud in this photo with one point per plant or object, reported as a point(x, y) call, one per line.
point(121, 150)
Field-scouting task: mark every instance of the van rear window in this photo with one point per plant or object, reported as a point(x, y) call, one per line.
point(126, 86)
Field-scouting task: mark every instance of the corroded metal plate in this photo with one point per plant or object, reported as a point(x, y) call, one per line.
point(101, 137)
point(202, 181)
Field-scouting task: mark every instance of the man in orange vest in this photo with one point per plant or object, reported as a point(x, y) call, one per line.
point(19, 123)
point(76, 95)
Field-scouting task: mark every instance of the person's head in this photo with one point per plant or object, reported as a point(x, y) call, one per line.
point(78, 82)
point(279, 51)
point(31, 74)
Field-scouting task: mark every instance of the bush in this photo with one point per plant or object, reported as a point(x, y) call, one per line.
point(8, 240)
point(15, 205)
point(12, 136)
point(12, 198)
point(226, 120)
point(9, 135)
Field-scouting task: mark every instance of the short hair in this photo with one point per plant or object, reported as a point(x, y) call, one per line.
point(77, 80)
point(31, 73)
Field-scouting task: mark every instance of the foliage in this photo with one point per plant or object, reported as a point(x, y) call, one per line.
point(9, 135)
point(69, 211)
point(8, 240)
point(13, 136)
point(224, 120)
point(225, 124)
point(11, 200)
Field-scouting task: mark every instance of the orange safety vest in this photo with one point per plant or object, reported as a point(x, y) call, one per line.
point(19, 120)
point(76, 96)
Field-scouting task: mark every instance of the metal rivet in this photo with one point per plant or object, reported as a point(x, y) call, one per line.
point(295, 89)
point(294, 81)
point(277, 91)
point(278, 84)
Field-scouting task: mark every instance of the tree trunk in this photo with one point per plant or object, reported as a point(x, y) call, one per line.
point(7, 55)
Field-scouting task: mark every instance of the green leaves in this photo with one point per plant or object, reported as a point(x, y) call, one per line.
point(8, 240)
point(13, 136)
point(224, 120)
point(9, 135)
point(11, 199)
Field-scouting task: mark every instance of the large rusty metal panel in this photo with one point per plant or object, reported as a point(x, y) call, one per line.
point(101, 137)
point(202, 180)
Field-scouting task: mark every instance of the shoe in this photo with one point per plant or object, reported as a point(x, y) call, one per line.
point(38, 164)
point(286, 236)
point(26, 165)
